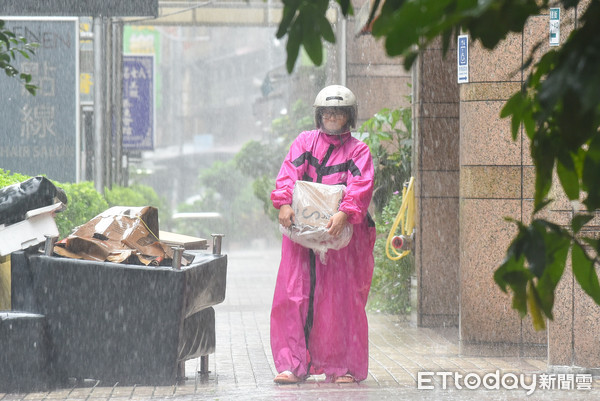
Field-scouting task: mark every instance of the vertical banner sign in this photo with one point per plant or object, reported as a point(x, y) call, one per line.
point(86, 57)
point(554, 26)
point(138, 102)
point(139, 39)
point(40, 134)
point(463, 59)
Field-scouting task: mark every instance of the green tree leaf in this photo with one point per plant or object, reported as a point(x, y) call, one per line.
point(568, 177)
point(591, 174)
point(311, 38)
point(293, 45)
point(325, 28)
point(289, 13)
point(585, 273)
point(579, 221)
point(535, 308)
point(513, 275)
point(10, 47)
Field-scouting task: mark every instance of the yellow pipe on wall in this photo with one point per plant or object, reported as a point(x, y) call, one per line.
point(405, 219)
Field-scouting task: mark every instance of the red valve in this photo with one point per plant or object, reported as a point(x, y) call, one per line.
point(397, 242)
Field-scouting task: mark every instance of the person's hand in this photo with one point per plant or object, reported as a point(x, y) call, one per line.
point(336, 223)
point(286, 216)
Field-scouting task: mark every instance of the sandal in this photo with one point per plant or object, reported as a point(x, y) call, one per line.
point(347, 378)
point(286, 377)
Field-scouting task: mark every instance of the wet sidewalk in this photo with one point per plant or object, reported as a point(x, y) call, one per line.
point(406, 362)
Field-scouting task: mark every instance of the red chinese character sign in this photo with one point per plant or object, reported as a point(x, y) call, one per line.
point(40, 134)
point(138, 102)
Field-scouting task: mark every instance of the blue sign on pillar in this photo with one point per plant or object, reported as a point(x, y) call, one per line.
point(138, 102)
point(554, 26)
point(463, 59)
point(40, 134)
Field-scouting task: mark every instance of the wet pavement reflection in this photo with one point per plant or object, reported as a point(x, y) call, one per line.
point(406, 362)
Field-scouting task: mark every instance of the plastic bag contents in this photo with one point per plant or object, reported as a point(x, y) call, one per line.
point(17, 199)
point(120, 234)
point(313, 205)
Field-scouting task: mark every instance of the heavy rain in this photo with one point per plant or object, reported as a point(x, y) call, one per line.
point(294, 200)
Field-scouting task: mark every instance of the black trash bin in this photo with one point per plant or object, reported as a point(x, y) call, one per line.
point(25, 359)
point(122, 323)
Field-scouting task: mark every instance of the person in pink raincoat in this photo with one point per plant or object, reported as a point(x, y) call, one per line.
point(318, 319)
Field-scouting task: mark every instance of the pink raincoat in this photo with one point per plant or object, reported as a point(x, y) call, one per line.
point(329, 315)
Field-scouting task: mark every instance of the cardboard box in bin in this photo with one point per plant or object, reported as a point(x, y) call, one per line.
point(116, 235)
point(29, 232)
point(315, 203)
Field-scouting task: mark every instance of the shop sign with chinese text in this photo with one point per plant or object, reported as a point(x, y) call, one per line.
point(138, 102)
point(40, 134)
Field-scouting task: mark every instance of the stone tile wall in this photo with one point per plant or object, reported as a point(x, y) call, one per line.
point(437, 144)
point(495, 183)
point(377, 80)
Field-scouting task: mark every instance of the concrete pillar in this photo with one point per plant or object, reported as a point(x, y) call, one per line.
point(496, 181)
point(377, 80)
point(436, 170)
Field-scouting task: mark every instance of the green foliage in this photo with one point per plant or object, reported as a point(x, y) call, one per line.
point(561, 115)
point(287, 127)
point(261, 160)
point(138, 195)
point(410, 26)
point(10, 47)
point(389, 137)
point(535, 263)
point(227, 191)
point(84, 204)
point(262, 187)
point(7, 178)
point(390, 287)
point(558, 110)
point(305, 24)
point(83, 199)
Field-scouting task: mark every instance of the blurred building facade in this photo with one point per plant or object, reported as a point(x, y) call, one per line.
point(470, 176)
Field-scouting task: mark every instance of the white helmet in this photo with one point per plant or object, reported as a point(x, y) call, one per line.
point(337, 96)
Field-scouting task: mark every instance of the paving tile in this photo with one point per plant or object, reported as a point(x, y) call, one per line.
point(242, 366)
point(145, 391)
point(32, 396)
point(80, 392)
point(58, 394)
point(124, 392)
point(101, 391)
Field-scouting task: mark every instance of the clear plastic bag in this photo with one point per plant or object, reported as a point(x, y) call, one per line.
point(313, 205)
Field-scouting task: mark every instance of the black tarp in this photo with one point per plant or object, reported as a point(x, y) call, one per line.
point(17, 199)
